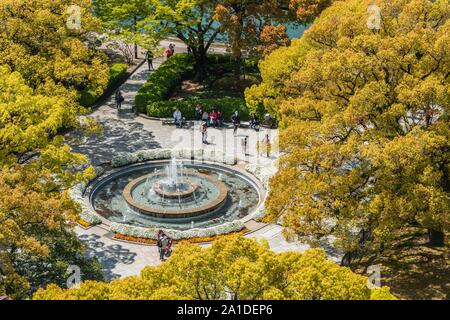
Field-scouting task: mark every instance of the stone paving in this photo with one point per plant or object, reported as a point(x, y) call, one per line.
point(126, 132)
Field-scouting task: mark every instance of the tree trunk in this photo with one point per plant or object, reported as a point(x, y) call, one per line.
point(436, 238)
point(237, 66)
point(201, 63)
point(347, 259)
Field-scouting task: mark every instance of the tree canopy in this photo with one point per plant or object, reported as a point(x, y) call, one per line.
point(236, 268)
point(36, 42)
point(365, 128)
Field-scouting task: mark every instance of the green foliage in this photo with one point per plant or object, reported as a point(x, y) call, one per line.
point(165, 109)
point(116, 72)
point(161, 82)
point(233, 267)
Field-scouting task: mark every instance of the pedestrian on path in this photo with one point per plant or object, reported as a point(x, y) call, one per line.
point(244, 144)
point(119, 99)
point(149, 57)
point(204, 131)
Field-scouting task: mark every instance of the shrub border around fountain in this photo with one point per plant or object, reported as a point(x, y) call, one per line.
point(260, 171)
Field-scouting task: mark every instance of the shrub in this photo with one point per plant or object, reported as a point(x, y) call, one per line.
point(165, 109)
point(89, 97)
point(161, 82)
point(116, 72)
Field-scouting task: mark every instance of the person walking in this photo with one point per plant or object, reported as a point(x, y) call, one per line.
point(236, 122)
point(149, 57)
point(204, 131)
point(119, 99)
point(168, 52)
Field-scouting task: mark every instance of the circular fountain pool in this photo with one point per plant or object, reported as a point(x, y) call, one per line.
point(176, 194)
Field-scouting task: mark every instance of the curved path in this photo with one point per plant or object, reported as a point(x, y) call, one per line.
point(127, 132)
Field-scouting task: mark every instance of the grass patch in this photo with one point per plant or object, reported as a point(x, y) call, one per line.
point(412, 268)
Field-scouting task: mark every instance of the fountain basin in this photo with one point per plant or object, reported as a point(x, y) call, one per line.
point(244, 196)
point(179, 212)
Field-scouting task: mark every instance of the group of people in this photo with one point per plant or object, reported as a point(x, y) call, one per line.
point(212, 119)
point(164, 243)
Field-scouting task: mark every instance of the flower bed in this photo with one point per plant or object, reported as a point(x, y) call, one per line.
point(192, 240)
point(84, 223)
point(151, 232)
point(125, 158)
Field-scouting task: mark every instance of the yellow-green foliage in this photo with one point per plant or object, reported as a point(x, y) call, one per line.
point(29, 121)
point(233, 267)
point(365, 127)
point(35, 41)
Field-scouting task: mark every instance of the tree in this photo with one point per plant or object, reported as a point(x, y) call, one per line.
point(243, 21)
point(236, 268)
point(29, 121)
point(35, 40)
point(271, 38)
point(36, 245)
point(36, 169)
point(364, 125)
point(124, 19)
point(192, 22)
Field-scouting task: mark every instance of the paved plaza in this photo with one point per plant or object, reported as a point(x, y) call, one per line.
point(127, 132)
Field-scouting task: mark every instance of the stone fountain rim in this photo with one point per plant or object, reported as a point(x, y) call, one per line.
point(179, 213)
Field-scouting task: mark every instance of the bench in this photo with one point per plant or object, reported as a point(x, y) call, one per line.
point(170, 121)
point(167, 121)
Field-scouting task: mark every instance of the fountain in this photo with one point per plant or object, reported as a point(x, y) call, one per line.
point(173, 186)
point(175, 194)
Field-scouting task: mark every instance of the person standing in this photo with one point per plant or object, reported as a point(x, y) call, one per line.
point(244, 144)
point(150, 57)
point(162, 243)
point(236, 122)
point(198, 113)
point(205, 117)
point(219, 118)
point(204, 131)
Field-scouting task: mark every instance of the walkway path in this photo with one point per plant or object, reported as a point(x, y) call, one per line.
point(126, 132)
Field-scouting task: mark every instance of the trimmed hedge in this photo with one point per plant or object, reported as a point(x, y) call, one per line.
point(89, 97)
point(165, 109)
point(161, 82)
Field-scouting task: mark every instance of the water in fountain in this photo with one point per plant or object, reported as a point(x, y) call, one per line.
point(174, 179)
point(174, 194)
